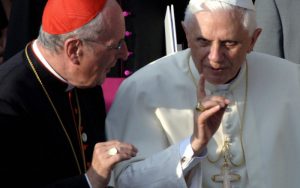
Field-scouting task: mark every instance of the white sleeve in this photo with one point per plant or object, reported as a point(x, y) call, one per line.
point(188, 160)
point(132, 119)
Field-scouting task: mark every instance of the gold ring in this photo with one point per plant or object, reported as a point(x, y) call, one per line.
point(112, 151)
point(199, 107)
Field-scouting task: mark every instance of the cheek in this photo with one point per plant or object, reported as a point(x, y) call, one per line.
point(106, 59)
point(199, 53)
point(236, 56)
point(104, 66)
point(238, 59)
point(99, 61)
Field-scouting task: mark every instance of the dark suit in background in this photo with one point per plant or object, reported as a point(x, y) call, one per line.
point(280, 28)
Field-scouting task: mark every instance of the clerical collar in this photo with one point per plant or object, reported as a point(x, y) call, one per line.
point(222, 87)
point(48, 66)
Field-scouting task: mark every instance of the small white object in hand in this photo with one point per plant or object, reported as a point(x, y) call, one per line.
point(112, 151)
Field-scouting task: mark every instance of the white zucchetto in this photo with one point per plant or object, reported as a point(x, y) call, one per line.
point(247, 4)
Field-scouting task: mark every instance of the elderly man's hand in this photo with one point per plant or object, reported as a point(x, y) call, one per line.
point(207, 117)
point(105, 156)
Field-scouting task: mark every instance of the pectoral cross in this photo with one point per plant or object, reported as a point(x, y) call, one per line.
point(226, 177)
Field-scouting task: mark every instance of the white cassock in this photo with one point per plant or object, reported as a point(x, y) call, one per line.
point(153, 110)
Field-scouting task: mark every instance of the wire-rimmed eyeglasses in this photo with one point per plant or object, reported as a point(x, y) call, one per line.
point(110, 47)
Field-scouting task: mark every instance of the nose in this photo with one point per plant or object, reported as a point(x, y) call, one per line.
point(216, 53)
point(123, 53)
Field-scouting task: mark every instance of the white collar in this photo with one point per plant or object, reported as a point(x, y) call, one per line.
point(48, 66)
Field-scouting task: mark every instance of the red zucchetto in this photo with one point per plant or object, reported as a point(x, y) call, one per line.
point(63, 16)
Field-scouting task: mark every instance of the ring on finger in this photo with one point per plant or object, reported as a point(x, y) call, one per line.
point(199, 107)
point(112, 151)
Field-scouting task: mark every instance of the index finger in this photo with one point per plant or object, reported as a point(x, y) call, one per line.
point(201, 88)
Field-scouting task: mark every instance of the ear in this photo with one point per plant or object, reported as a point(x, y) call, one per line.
point(254, 39)
point(73, 49)
point(183, 24)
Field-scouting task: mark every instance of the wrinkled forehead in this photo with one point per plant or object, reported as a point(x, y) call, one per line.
point(223, 21)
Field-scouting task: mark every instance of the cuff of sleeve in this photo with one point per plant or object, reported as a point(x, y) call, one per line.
point(186, 149)
point(188, 160)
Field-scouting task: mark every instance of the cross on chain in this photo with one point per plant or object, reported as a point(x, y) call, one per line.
point(226, 177)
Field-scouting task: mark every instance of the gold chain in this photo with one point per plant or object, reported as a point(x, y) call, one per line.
point(79, 123)
point(226, 147)
point(55, 110)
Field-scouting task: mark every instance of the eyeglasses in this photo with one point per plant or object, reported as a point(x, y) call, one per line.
point(110, 47)
point(118, 46)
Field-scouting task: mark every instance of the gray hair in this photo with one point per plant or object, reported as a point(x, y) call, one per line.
point(90, 31)
point(248, 16)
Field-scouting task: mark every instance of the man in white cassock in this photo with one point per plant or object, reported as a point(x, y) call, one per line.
point(214, 115)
